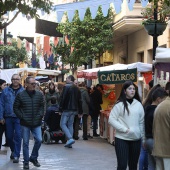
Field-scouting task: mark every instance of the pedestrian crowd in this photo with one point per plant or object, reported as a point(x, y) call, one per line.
point(23, 109)
point(142, 132)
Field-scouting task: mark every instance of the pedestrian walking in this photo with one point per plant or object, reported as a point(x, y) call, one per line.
point(29, 108)
point(2, 122)
point(96, 97)
point(77, 120)
point(127, 117)
point(161, 135)
point(85, 106)
point(70, 105)
point(13, 128)
point(158, 95)
point(143, 158)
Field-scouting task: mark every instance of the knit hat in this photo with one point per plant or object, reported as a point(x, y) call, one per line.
point(2, 81)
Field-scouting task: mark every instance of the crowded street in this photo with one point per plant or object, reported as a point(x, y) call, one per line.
point(94, 154)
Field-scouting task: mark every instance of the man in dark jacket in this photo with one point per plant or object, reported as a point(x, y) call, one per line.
point(29, 108)
point(96, 97)
point(70, 105)
point(13, 128)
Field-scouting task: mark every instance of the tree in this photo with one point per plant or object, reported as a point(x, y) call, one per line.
point(167, 2)
point(29, 7)
point(89, 38)
point(16, 54)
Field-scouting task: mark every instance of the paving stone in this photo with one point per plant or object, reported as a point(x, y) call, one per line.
point(93, 154)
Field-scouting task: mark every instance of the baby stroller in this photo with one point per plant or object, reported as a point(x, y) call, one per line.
point(52, 128)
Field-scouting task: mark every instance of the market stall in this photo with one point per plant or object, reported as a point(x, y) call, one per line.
point(162, 66)
point(112, 77)
point(6, 74)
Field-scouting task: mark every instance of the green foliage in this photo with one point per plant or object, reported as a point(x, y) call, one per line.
point(162, 9)
point(167, 2)
point(62, 49)
point(89, 38)
point(28, 7)
point(14, 53)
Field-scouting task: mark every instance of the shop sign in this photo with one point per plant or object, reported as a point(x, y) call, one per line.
point(117, 76)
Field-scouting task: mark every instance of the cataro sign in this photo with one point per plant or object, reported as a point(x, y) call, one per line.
point(117, 76)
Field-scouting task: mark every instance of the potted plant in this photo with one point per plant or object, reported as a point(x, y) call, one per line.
point(150, 24)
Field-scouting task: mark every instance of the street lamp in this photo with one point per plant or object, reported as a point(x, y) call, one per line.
point(9, 38)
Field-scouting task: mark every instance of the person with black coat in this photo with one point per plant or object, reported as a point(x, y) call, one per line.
point(96, 97)
point(29, 108)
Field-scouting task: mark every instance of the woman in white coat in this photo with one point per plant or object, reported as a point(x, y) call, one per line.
point(127, 117)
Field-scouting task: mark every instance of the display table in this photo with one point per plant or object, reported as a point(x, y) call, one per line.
point(106, 130)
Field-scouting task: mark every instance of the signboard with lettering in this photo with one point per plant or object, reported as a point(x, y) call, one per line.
point(117, 76)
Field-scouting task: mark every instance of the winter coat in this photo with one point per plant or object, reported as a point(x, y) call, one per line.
point(7, 99)
point(70, 99)
point(29, 108)
point(48, 96)
point(96, 97)
point(85, 100)
point(134, 121)
point(149, 114)
point(161, 129)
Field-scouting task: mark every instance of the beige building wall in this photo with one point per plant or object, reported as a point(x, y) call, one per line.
point(137, 47)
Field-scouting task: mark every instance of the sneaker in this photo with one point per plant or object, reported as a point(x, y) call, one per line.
point(96, 135)
point(69, 142)
point(70, 146)
point(12, 156)
point(15, 160)
point(26, 166)
point(5, 145)
point(35, 163)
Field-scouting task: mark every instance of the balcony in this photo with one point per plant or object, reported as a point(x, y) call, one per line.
point(127, 22)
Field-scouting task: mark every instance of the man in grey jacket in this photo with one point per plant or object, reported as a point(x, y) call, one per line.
point(29, 108)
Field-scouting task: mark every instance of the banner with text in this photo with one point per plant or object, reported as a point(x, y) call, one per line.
point(117, 76)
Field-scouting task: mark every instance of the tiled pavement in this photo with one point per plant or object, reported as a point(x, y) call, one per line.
point(94, 154)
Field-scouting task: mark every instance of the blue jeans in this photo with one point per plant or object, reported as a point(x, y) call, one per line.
point(13, 132)
point(151, 159)
point(36, 132)
point(66, 123)
point(143, 159)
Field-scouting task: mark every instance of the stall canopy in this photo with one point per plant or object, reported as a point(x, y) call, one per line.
point(6, 74)
point(93, 73)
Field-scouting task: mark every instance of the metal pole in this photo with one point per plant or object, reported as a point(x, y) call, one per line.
point(155, 36)
point(5, 43)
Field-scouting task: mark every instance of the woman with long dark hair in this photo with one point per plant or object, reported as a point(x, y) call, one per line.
point(127, 117)
point(51, 93)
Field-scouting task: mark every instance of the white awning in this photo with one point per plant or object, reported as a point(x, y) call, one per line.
point(6, 74)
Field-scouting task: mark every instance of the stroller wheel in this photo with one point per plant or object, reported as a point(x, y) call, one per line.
point(46, 137)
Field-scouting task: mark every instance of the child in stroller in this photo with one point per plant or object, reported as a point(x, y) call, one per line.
point(52, 130)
